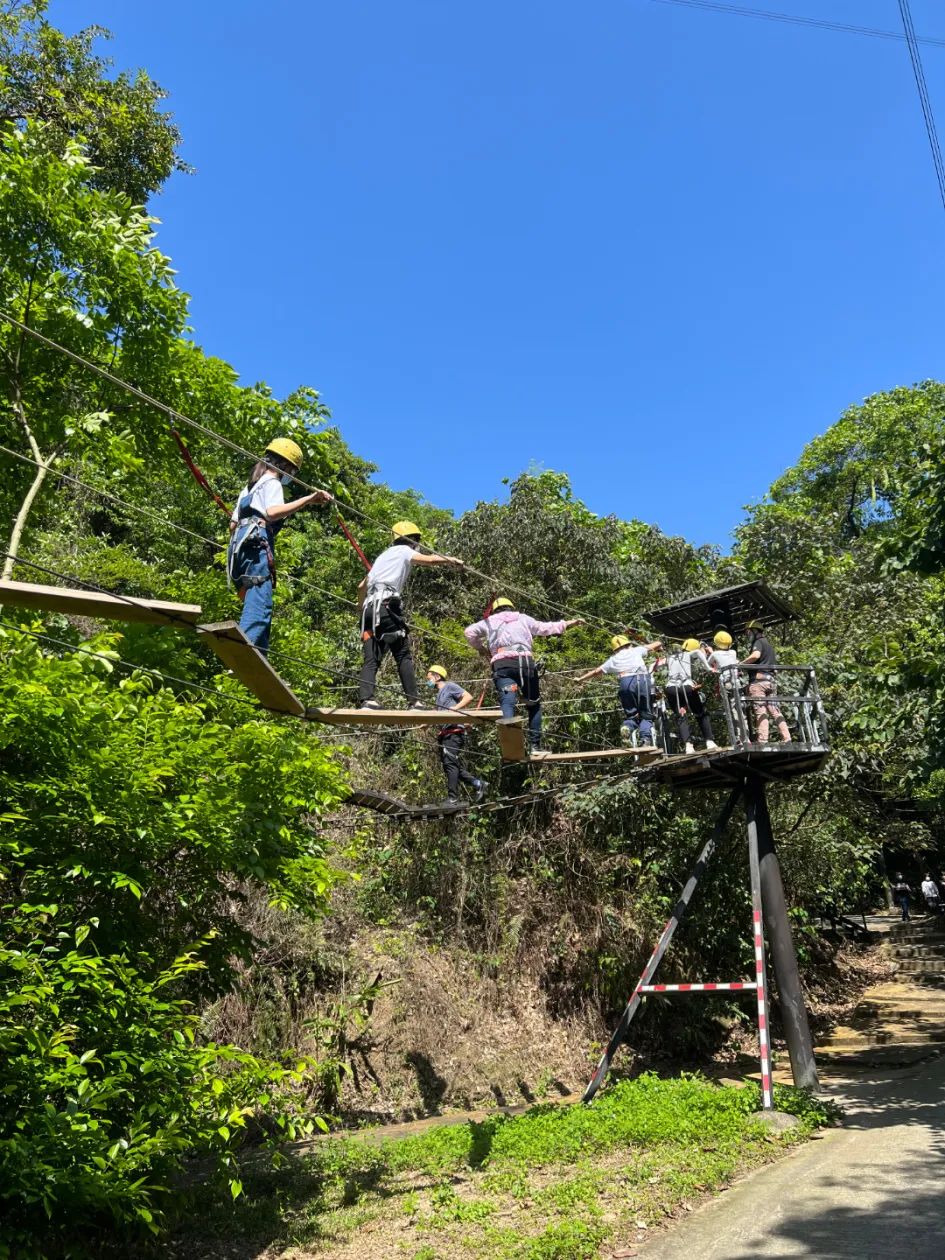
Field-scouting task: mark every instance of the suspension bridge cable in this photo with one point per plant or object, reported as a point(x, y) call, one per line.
point(844, 28)
point(179, 416)
point(924, 99)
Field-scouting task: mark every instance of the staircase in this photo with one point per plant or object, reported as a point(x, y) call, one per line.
point(901, 1020)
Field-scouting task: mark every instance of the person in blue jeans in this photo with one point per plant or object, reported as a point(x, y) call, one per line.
point(902, 895)
point(260, 512)
point(635, 687)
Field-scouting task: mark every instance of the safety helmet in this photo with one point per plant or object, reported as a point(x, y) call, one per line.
point(405, 529)
point(754, 624)
point(690, 645)
point(722, 639)
point(287, 449)
point(501, 602)
point(438, 669)
point(619, 641)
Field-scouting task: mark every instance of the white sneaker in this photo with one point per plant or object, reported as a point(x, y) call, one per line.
point(711, 745)
point(370, 704)
point(627, 735)
point(689, 748)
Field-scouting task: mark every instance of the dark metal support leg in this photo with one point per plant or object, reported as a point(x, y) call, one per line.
point(761, 972)
point(783, 956)
point(679, 912)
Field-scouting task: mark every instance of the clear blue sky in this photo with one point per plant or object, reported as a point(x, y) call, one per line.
point(656, 247)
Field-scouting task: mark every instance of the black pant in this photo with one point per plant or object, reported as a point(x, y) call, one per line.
point(388, 634)
point(680, 700)
point(451, 748)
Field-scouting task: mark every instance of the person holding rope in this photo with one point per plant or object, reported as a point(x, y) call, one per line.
point(761, 659)
point(260, 512)
point(635, 687)
point(505, 636)
point(452, 739)
point(683, 693)
point(383, 621)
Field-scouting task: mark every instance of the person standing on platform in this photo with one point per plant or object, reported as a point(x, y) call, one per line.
point(930, 891)
point(383, 620)
point(452, 739)
point(635, 687)
point(761, 659)
point(683, 693)
point(902, 896)
point(506, 637)
point(260, 512)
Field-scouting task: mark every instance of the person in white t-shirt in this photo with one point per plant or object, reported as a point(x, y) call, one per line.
point(635, 688)
point(260, 512)
point(683, 693)
point(383, 622)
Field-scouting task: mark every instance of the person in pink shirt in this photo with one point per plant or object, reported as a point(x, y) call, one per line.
point(506, 637)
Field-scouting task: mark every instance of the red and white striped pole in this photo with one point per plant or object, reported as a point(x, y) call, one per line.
point(761, 973)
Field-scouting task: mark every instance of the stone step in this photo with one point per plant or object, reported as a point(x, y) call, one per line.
point(915, 934)
point(936, 950)
point(922, 966)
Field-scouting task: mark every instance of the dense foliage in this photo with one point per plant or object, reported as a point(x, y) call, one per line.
point(150, 810)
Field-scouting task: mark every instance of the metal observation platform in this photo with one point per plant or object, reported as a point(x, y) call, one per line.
point(745, 766)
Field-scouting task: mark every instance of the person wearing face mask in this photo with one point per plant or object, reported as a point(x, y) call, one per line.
point(260, 512)
point(762, 685)
point(452, 739)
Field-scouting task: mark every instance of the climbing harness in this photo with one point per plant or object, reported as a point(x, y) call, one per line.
point(252, 530)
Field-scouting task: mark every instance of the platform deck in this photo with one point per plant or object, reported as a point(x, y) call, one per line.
point(402, 717)
point(725, 766)
point(600, 754)
point(97, 604)
point(252, 669)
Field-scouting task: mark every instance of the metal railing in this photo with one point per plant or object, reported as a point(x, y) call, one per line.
point(794, 696)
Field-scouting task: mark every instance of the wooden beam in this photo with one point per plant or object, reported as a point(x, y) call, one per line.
point(250, 667)
point(602, 754)
point(401, 717)
point(96, 604)
point(512, 739)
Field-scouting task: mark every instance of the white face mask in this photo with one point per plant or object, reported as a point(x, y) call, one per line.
point(287, 479)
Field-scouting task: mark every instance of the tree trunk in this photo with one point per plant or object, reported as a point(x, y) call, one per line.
point(16, 534)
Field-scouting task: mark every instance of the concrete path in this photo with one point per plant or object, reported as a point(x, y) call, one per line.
point(872, 1189)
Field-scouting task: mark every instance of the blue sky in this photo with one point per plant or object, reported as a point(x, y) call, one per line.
point(656, 247)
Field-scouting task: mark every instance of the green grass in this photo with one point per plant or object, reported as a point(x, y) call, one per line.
point(552, 1184)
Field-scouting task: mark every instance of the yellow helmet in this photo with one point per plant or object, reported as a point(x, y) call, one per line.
point(405, 529)
point(619, 641)
point(287, 449)
point(438, 669)
point(501, 602)
point(690, 645)
point(754, 625)
point(722, 639)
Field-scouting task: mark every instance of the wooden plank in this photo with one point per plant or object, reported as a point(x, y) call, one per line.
point(512, 739)
point(401, 717)
point(602, 754)
point(250, 667)
point(62, 599)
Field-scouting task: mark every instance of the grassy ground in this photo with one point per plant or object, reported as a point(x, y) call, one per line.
point(557, 1183)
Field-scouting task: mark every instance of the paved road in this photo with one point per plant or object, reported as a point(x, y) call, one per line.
point(873, 1189)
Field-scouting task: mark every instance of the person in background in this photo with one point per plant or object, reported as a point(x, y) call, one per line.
point(452, 739)
point(635, 687)
point(260, 512)
point(902, 896)
point(682, 693)
point(506, 637)
point(932, 895)
point(761, 683)
point(383, 621)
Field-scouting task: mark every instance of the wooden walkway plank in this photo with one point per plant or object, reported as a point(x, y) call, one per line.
point(250, 667)
point(512, 739)
point(401, 717)
point(601, 754)
point(63, 599)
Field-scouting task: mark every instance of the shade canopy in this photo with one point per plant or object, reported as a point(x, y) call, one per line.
point(729, 609)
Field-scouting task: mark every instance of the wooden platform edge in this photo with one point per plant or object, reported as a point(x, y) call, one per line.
point(601, 754)
point(97, 604)
point(249, 665)
point(512, 739)
point(400, 717)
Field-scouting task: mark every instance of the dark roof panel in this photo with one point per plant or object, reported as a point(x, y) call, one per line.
point(728, 609)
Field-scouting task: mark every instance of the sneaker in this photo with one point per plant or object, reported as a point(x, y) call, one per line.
point(689, 748)
point(536, 754)
point(646, 747)
point(417, 704)
point(370, 704)
point(711, 745)
point(480, 785)
point(627, 735)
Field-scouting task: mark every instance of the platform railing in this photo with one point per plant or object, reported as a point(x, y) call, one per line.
point(795, 694)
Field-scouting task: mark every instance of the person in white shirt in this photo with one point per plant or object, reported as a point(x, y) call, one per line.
point(260, 512)
point(682, 693)
point(635, 686)
point(383, 621)
point(932, 895)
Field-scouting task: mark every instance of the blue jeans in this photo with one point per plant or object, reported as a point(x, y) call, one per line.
point(636, 697)
point(516, 679)
point(256, 621)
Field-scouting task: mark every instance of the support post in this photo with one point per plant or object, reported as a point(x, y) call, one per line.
point(783, 956)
